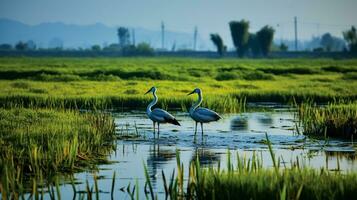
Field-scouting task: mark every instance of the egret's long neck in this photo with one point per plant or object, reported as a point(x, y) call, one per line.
point(148, 109)
point(195, 105)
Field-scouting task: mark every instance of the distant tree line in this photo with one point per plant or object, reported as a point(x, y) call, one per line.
point(128, 48)
point(261, 43)
point(124, 46)
point(21, 46)
point(258, 44)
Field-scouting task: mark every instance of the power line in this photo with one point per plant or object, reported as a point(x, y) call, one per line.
point(315, 22)
point(324, 24)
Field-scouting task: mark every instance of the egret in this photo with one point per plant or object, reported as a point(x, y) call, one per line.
point(159, 115)
point(202, 115)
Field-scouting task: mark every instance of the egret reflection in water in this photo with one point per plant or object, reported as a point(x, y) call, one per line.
point(205, 156)
point(156, 159)
point(265, 119)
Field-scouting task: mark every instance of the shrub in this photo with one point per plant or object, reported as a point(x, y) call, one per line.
point(294, 70)
point(223, 76)
point(38, 90)
point(103, 77)
point(59, 78)
point(350, 76)
point(340, 69)
point(258, 75)
point(22, 85)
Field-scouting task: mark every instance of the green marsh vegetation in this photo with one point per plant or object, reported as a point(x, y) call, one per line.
point(333, 120)
point(248, 179)
point(43, 133)
point(37, 143)
point(226, 83)
point(244, 178)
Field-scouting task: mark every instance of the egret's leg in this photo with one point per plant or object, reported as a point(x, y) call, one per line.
point(202, 128)
point(158, 129)
point(196, 128)
point(154, 127)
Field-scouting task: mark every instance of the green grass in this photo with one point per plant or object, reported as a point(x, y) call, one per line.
point(333, 120)
point(266, 184)
point(40, 136)
point(121, 82)
point(44, 142)
point(248, 179)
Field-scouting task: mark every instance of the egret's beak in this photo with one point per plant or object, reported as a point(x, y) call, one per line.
point(148, 91)
point(191, 93)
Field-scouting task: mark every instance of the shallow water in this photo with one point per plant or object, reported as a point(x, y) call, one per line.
point(240, 133)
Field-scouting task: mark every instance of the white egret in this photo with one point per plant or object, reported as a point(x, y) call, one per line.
point(202, 115)
point(159, 115)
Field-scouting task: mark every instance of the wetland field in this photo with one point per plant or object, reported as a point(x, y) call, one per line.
point(76, 128)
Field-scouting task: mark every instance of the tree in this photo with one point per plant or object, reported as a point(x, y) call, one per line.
point(31, 45)
point(95, 47)
point(351, 38)
point(144, 49)
point(326, 41)
point(283, 47)
point(218, 42)
point(5, 47)
point(112, 47)
point(124, 37)
point(265, 38)
point(331, 43)
point(253, 44)
point(21, 46)
point(240, 35)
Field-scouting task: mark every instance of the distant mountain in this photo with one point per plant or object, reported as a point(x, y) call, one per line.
point(75, 36)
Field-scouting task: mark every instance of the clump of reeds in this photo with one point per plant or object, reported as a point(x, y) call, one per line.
point(333, 120)
point(125, 132)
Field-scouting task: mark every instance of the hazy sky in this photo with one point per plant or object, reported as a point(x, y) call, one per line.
point(314, 16)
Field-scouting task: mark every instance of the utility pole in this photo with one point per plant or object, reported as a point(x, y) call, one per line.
point(162, 35)
point(195, 38)
point(279, 26)
point(133, 33)
point(296, 34)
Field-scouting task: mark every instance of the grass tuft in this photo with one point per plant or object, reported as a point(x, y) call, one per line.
point(44, 142)
point(333, 120)
point(350, 76)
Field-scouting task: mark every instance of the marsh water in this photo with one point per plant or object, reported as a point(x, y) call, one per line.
point(242, 134)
